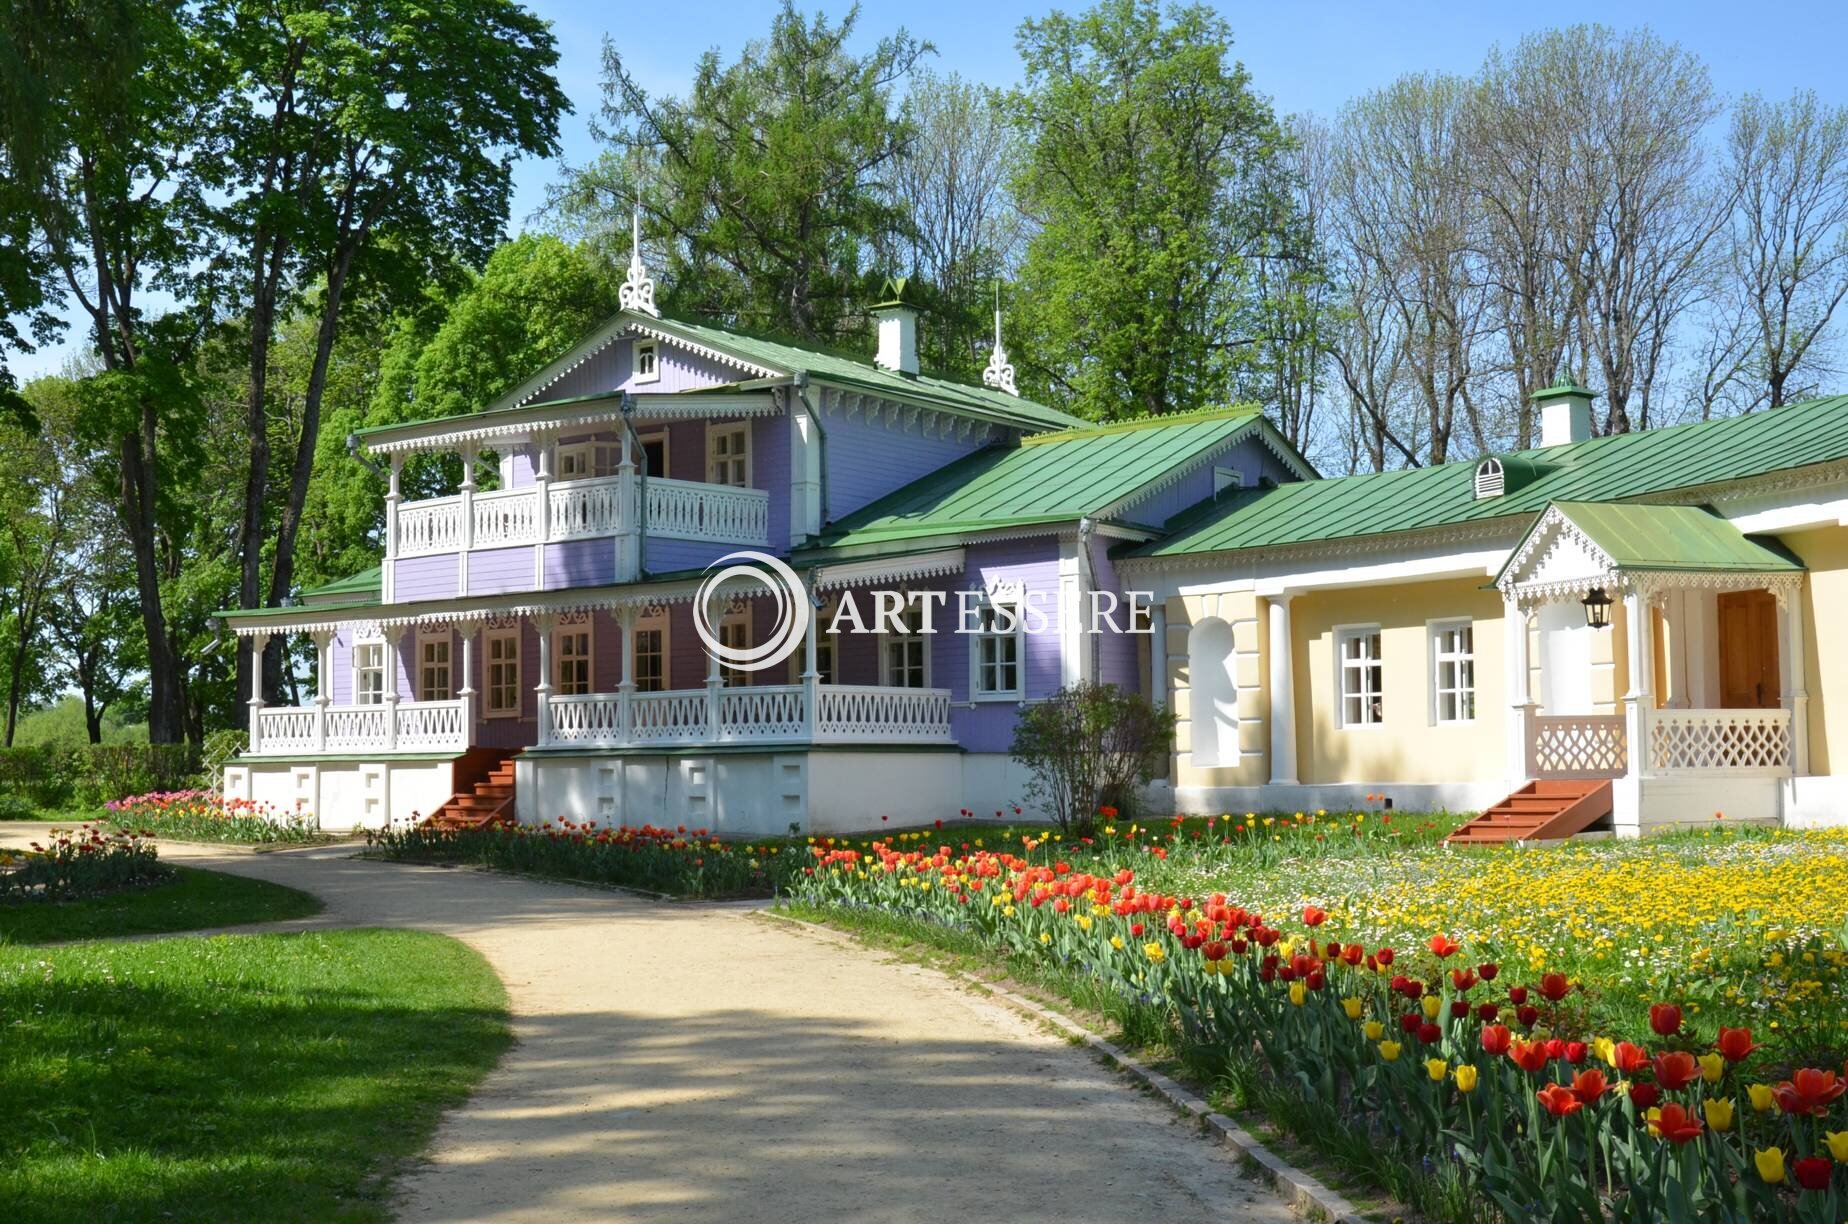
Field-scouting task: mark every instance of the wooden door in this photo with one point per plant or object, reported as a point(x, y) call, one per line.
point(1748, 651)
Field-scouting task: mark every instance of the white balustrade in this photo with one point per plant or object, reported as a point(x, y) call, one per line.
point(673, 717)
point(760, 712)
point(689, 510)
point(422, 726)
point(1577, 746)
point(425, 726)
point(286, 729)
point(1719, 742)
point(356, 728)
point(586, 508)
point(430, 526)
point(506, 516)
point(849, 712)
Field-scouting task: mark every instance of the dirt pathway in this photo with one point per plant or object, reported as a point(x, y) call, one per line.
point(692, 1062)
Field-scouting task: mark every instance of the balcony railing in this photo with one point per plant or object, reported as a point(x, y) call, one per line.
point(386, 728)
point(782, 713)
point(1701, 743)
point(582, 509)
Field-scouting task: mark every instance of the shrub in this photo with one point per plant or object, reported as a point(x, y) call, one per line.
point(1091, 746)
point(49, 776)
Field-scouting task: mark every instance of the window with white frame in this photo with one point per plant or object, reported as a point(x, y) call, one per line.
point(502, 650)
point(433, 679)
point(1453, 659)
point(734, 634)
point(368, 673)
point(577, 461)
point(571, 660)
point(904, 658)
point(1361, 678)
point(997, 651)
point(651, 653)
point(728, 455)
point(647, 361)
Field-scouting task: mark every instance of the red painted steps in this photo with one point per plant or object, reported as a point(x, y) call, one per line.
point(1550, 809)
point(484, 794)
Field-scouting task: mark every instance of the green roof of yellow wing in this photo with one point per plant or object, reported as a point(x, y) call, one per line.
point(1048, 478)
point(1643, 537)
point(1615, 468)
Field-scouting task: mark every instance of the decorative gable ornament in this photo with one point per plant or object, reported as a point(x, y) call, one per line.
point(999, 374)
point(638, 292)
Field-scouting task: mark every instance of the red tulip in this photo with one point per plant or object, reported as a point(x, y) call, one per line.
point(1486, 1012)
point(1628, 1058)
point(1677, 1125)
point(1459, 1009)
point(1589, 1085)
point(1576, 1051)
point(1554, 986)
point(1462, 979)
point(1809, 1091)
point(1517, 995)
point(1488, 971)
point(1560, 1101)
point(1644, 1095)
point(1443, 946)
point(1527, 1016)
point(1410, 1022)
point(1429, 1033)
point(1384, 956)
point(1528, 1055)
point(1675, 1069)
point(1314, 916)
point(1665, 1019)
point(1735, 1044)
point(1496, 1039)
point(1813, 1172)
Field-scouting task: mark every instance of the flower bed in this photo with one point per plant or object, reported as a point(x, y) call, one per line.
point(203, 815)
point(83, 862)
point(679, 861)
point(1495, 1075)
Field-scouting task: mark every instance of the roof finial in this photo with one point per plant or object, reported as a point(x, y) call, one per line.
point(638, 291)
point(999, 374)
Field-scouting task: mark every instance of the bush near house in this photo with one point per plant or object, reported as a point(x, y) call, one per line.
point(1468, 1053)
point(1091, 746)
point(54, 777)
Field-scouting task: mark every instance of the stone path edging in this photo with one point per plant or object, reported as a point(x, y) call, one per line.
point(1297, 1188)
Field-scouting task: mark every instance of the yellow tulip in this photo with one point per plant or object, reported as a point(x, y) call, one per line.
point(1770, 1162)
point(1374, 1030)
point(1437, 1069)
point(1298, 992)
point(1719, 1113)
point(1762, 1097)
point(1389, 1050)
point(1352, 1006)
point(1045, 938)
point(1466, 1077)
point(1606, 1049)
point(1116, 941)
point(1154, 952)
point(1431, 1004)
point(1712, 1066)
point(1838, 1145)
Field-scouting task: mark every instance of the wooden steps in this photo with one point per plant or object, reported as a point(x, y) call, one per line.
point(484, 793)
point(1550, 809)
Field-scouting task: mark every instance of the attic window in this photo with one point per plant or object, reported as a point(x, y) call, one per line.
point(1491, 480)
point(1227, 480)
point(647, 361)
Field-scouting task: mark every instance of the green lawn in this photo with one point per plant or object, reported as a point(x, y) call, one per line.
point(246, 1077)
point(190, 901)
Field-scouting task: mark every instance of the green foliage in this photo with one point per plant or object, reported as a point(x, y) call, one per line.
point(74, 863)
point(1089, 747)
point(61, 725)
point(768, 184)
point(1146, 173)
point(205, 816)
point(53, 777)
point(252, 1077)
point(184, 900)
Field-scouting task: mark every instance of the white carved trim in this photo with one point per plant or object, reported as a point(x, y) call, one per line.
point(918, 565)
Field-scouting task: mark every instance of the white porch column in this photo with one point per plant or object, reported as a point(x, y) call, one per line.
point(466, 507)
point(543, 690)
point(625, 688)
point(1520, 694)
point(1796, 677)
point(714, 684)
point(811, 662)
point(629, 520)
point(388, 573)
point(542, 513)
point(394, 655)
point(1282, 693)
point(323, 684)
point(258, 643)
point(1676, 615)
point(1641, 696)
point(466, 691)
point(1158, 653)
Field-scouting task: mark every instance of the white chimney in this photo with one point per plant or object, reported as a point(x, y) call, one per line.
point(898, 330)
point(1565, 413)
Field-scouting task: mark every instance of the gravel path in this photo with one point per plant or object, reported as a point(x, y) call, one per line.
point(694, 1062)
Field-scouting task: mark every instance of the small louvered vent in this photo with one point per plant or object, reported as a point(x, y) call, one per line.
point(1491, 480)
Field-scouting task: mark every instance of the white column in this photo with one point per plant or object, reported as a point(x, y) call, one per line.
point(1282, 693)
point(388, 576)
point(1641, 697)
point(1158, 653)
point(811, 662)
point(1675, 614)
point(394, 655)
point(466, 507)
point(626, 617)
point(629, 521)
point(466, 691)
point(543, 690)
point(258, 643)
point(542, 514)
point(714, 686)
point(323, 684)
point(1520, 694)
point(1796, 677)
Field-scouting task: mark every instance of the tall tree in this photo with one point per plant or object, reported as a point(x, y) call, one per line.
point(1787, 165)
point(769, 186)
point(360, 149)
point(1145, 176)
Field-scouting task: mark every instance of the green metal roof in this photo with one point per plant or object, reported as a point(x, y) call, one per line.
point(1047, 478)
point(366, 582)
point(1663, 538)
point(1615, 468)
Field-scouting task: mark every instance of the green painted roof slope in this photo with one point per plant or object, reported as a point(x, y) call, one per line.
point(366, 582)
point(1048, 478)
point(1673, 538)
point(1606, 469)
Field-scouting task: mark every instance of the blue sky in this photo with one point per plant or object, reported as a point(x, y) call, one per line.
point(1306, 57)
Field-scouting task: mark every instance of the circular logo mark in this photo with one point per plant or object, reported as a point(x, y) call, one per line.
point(792, 609)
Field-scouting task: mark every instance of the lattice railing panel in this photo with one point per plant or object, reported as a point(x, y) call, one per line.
point(1577, 746)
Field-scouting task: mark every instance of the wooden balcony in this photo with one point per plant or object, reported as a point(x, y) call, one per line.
point(386, 728)
point(757, 714)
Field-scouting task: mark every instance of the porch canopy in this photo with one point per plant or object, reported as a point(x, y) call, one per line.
point(1726, 601)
